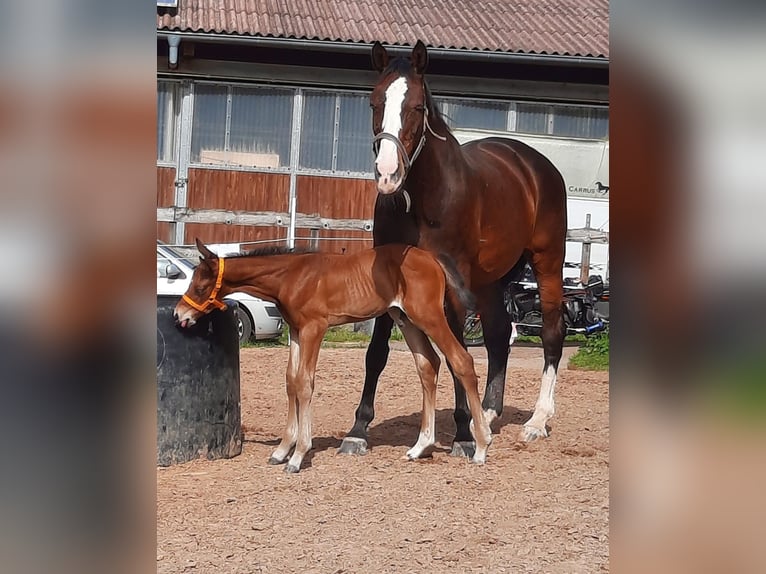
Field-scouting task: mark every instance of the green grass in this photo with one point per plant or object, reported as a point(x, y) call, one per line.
point(340, 335)
point(593, 355)
point(534, 340)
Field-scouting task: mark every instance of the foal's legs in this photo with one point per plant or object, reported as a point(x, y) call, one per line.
point(355, 441)
point(550, 284)
point(309, 340)
point(290, 435)
point(435, 326)
point(427, 363)
point(463, 443)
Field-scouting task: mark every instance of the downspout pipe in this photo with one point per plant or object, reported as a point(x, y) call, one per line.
point(174, 41)
point(364, 49)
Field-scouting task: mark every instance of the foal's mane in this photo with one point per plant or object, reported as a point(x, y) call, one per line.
point(272, 250)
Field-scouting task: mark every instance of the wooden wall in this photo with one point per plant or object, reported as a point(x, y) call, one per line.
point(237, 191)
point(336, 198)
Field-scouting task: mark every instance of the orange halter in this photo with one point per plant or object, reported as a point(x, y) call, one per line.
point(212, 300)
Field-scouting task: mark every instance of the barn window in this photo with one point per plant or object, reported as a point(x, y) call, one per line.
point(478, 115)
point(580, 122)
point(248, 127)
point(355, 134)
point(166, 113)
point(260, 127)
point(532, 118)
point(208, 126)
point(335, 132)
point(317, 130)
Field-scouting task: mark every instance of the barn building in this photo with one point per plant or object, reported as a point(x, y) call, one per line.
point(264, 124)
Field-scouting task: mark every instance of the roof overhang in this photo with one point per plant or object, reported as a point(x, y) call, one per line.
point(363, 48)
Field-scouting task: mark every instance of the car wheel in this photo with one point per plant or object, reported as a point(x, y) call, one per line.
point(244, 325)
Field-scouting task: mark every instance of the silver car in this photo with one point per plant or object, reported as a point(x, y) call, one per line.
point(257, 319)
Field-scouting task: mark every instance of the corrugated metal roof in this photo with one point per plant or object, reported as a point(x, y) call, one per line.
point(560, 27)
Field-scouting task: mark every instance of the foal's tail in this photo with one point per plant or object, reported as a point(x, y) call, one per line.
point(455, 282)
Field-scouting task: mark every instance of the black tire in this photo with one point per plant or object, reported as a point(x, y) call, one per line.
point(473, 334)
point(244, 325)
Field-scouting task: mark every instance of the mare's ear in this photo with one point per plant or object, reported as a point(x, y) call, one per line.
point(379, 57)
point(206, 253)
point(420, 57)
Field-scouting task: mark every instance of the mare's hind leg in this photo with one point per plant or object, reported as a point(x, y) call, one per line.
point(290, 435)
point(550, 284)
point(496, 325)
point(355, 441)
point(427, 363)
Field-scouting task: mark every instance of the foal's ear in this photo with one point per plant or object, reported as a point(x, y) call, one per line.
point(206, 253)
point(420, 57)
point(379, 57)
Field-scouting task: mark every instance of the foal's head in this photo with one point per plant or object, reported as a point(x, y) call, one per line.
point(399, 114)
point(204, 292)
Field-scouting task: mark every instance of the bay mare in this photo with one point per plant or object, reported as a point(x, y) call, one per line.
point(490, 205)
point(315, 291)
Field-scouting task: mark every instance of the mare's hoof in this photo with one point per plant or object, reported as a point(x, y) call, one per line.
point(530, 433)
point(463, 449)
point(290, 469)
point(353, 445)
point(275, 461)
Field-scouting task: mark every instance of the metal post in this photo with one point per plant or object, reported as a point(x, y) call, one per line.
point(585, 255)
point(295, 148)
point(184, 157)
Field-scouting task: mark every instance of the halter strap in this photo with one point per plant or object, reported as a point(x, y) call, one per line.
point(408, 161)
point(213, 299)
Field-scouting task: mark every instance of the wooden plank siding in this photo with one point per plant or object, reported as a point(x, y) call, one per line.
point(236, 190)
point(336, 198)
point(166, 177)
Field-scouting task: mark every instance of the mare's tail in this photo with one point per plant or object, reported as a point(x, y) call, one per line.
point(455, 282)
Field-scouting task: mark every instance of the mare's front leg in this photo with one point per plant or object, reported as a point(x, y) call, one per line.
point(290, 436)
point(355, 441)
point(496, 325)
point(309, 341)
point(427, 363)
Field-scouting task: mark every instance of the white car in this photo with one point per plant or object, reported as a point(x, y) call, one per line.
point(257, 319)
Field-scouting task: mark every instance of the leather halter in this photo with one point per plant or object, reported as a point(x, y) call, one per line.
point(213, 299)
point(407, 160)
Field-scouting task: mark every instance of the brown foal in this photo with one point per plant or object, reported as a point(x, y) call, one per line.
point(315, 291)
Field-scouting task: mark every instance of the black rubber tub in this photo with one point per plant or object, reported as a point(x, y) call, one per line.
point(198, 399)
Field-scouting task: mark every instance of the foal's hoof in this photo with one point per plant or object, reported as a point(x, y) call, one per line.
point(292, 469)
point(353, 445)
point(463, 449)
point(529, 433)
point(275, 461)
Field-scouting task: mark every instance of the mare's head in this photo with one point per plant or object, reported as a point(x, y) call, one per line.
point(399, 114)
point(204, 292)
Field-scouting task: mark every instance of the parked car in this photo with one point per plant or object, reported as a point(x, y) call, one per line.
point(256, 318)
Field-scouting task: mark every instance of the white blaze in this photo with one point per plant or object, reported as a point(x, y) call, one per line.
point(392, 124)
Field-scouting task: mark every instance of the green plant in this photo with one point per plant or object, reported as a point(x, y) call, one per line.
point(593, 355)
